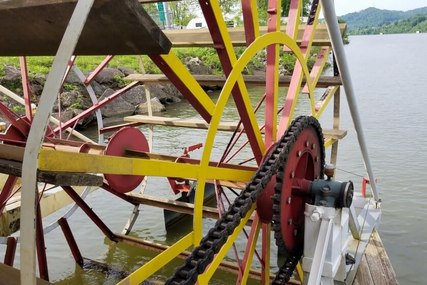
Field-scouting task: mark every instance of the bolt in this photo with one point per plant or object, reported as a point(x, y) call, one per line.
point(315, 216)
point(290, 222)
point(307, 144)
point(313, 146)
point(299, 153)
point(295, 232)
point(292, 174)
point(289, 200)
point(326, 190)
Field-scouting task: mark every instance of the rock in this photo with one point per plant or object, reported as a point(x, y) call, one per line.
point(75, 99)
point(156, 107)
point(126, 70)
point(11, 73)
point(70, 113)
point(135, 96)
point(72, 78)
point(109, 76)
point(164, 93)
point(196, 66)
point(98, 88)
point(117, 107)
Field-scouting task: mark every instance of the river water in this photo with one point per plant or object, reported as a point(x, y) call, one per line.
point(390, 83)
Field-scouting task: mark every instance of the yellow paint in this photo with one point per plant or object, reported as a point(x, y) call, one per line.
point(158, 262)
point(207, 275)
point(190, 82)
point(325, 102)
point(53, 160)
point(250, 249)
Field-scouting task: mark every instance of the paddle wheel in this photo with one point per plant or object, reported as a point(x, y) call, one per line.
point(265, 175)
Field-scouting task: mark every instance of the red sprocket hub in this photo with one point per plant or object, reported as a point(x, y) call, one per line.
point(127, 138)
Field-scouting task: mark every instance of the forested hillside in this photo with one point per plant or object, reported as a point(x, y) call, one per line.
point(376, 21)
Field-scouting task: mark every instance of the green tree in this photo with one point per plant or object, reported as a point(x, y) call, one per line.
point(263, 4)
point(181, 11)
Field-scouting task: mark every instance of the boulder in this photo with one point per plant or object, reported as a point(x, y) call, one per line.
point(108, 76)
point(117, 107)
point(135, 96)
point(75, 99)
point(196, 66)
point(126, 70)
point(165, 93)
point(11, 73)
point(156, 107)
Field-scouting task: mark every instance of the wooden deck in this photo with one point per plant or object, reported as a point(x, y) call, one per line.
point(202, 37)
point(10, 276)
point(218, 80)
point(375, 267)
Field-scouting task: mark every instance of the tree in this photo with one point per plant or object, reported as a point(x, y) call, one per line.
point(263, 4)
point(181, 11)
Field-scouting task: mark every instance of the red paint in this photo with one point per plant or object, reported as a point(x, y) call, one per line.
point(125, 139)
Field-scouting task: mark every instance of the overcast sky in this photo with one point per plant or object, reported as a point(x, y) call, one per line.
point(343, 7)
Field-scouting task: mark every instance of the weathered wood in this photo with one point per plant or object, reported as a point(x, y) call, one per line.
point(172, 205)
point(201, 124)
point(202, 37)
point(375, 267)
point(14, 168)
point(334, 134)
point(11, 276)
point(36, 27)
point(218, 80)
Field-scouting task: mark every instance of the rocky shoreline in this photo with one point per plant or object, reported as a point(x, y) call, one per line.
point(74, 97)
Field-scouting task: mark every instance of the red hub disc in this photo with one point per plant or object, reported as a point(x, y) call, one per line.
point(304, 162)
point(125, 139)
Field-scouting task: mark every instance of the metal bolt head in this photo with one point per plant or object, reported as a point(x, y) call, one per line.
point(292, 174)
point(290, 222)
point(299, 153)
point(289, 200)
point(313, 146)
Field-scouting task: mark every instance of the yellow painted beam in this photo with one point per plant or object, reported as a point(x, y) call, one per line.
point(60, 161)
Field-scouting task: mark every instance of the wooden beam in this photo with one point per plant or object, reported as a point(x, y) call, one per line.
point(202, 37)
point(36, 27)
point(219, 80)
point(14, 168)
point(201, 124)
point(11, 276)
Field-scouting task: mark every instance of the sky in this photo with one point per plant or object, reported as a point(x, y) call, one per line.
point(343, 7)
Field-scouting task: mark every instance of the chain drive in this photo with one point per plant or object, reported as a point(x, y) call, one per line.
point(197, 262)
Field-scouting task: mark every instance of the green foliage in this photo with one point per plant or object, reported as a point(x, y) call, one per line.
point(18, 109)
point(120, 81)
point(207, 55)
point(69, 87)
point(181, 12)
point(375, 21)
point(414, 24)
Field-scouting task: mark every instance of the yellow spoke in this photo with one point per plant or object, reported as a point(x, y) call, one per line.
point(90, 163)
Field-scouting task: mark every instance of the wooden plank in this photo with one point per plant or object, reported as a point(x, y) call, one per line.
point(334, 134)
point(375, 267)
point(11, 276)
point(14, 168)
point(202, 37)
point(201, 124)
point(218, 80)
point(36, 27)
point(172, 205)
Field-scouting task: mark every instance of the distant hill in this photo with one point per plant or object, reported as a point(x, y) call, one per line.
point(374, 21)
